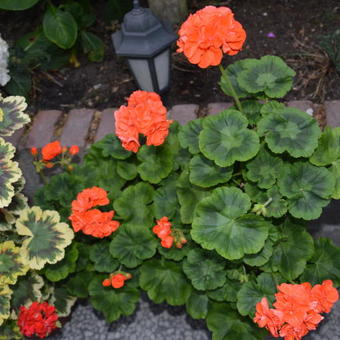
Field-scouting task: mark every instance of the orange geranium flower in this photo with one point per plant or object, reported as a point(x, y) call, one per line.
point(297, 309)
point(92, 221)
point(51, 150)
point(90, 198)
point(207, 34)
point(144, 114)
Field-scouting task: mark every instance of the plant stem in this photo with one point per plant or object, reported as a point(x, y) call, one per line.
point(233, 92)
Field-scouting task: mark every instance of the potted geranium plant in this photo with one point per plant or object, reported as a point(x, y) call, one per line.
point(211, 215)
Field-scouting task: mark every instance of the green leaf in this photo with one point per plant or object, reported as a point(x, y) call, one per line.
point(60, 27)
point(127, 169)
point(46, 237)
point(272, 106)
point(253, 291)
point(307, 188)
point(62, 301)
point(26, 291)
point(220, 223)
point(328, 150)
point(12, 116)
point(133, 244)
point(165, 200)
point(264, 169)
point(17, 5)
point(197, 305)
point(188, 135)
point(12, 263)
point(290, 130)
point(225, 138)
point(291, 252)
point(10, 330)
point(134, 205)
point(205, 173)
point(232, 71)
point(93, 46)
point(251, 109)
point(77, 285)
point(173, 253)
point(335, 171)
point(156, 163)
point(20, 83)
point(101, 256)
point(227, 293)
point(188, 196)
point(270, 75)
point(204, 269)
point(324, 265)
point(225, 324)
point(109, 146)
point(113, 303)
point(165, 281)
point(5, 303)
point(260, 258)
point(63, 268)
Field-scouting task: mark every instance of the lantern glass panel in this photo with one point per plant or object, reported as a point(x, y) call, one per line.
point(141, 71)
point(162, 67)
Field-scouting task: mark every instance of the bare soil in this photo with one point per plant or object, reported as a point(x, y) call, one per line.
point(296, 26)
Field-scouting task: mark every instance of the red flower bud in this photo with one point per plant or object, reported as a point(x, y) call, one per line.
point(74, 149)
point(34, 151)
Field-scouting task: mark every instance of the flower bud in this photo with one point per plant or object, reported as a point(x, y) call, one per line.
point(34, 151)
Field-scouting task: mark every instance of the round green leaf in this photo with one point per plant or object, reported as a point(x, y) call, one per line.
point(62, 301)
point(307, 188)
point(77, 285)
point(12, 116)
point(188, 196)
point(204, 269)
point(253, 291)
point(324, 265)
point(291, 252)
point(225, 138)
point(165, 281)
point(17, 5)
point(113, 303)
point(133, 244)
point(127, 169)
point(270, 75)
point(156, 163)
point(26, 291)
point(60, 27)
point(220, 224)
point(5, 303)
point(335, 170)
point(188, 135)
point(290, 130)
point(205, 173)
point(226, 324)
point(251, 109)
point(272, 106)
point(260, 258)
point(101, 256)
point(133, 205)
point(46, 237)
point(232, 71)
point(226, 293)
point(264, 169)
point(328, 150)
point(12, 263)
point(173, 253)
point(93, 46)
point(197, 305)
point(63, 268)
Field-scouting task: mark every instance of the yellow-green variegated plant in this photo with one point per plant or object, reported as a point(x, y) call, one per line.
point(29, 237)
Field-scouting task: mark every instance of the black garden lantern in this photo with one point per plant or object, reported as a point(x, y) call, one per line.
point(146, 42)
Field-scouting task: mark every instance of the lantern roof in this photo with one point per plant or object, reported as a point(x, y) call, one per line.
point(142, 34)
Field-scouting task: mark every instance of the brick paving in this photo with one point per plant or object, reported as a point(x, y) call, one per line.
point(77, 126)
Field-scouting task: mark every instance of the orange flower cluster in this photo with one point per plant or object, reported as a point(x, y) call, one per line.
point(92, 221)
point(297, 309)
point(144, 114)
point(208, 33)
point(51, 150)
point(167, 235)
point(117, 280)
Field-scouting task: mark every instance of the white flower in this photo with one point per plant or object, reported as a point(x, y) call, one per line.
point(4, 55)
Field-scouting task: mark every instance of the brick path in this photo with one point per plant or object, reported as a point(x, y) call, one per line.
point(83, 126)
